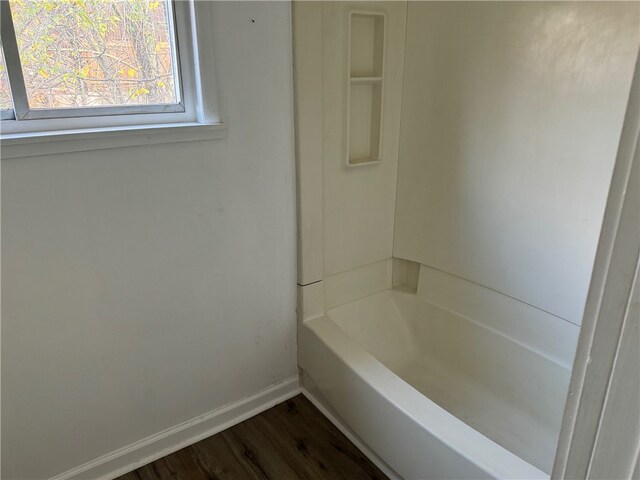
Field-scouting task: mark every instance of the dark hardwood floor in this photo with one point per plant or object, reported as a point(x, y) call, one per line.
point(292, 440)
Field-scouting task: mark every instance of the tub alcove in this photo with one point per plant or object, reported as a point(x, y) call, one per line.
point(453, 163)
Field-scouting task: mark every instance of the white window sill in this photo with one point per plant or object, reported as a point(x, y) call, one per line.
point(81, 140)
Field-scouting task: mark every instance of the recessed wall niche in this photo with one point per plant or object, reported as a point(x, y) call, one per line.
point(364, 89)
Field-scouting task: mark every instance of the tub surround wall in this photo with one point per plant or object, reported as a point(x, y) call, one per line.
point(307, 53)
point(510, 123)
point(359, 201)
point(537, 330)
point(345, 213)
point(357, 283)
point(506, 145)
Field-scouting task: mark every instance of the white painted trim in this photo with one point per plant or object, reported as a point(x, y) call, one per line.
point(353, 438)
point(67, 141)
point(156, 446)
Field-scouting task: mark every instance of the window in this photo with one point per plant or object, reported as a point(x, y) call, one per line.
point(78, 64)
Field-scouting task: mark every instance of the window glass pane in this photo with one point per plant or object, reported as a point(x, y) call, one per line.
point(87, 53)
point(5, 92)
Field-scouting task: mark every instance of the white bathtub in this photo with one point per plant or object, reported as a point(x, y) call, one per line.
point(434, 394)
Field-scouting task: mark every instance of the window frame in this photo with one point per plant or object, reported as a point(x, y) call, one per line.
point(193, 72)
point(7, 114)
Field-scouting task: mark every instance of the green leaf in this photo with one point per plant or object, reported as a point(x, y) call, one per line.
point(85, 18)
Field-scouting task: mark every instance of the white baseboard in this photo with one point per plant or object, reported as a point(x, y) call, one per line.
point(173, 439)
point(367, 452)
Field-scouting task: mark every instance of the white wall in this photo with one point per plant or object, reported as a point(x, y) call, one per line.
point(144, 286)
point(511, 118)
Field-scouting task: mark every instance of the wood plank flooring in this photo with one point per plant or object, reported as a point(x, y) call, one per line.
point(292, 440)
